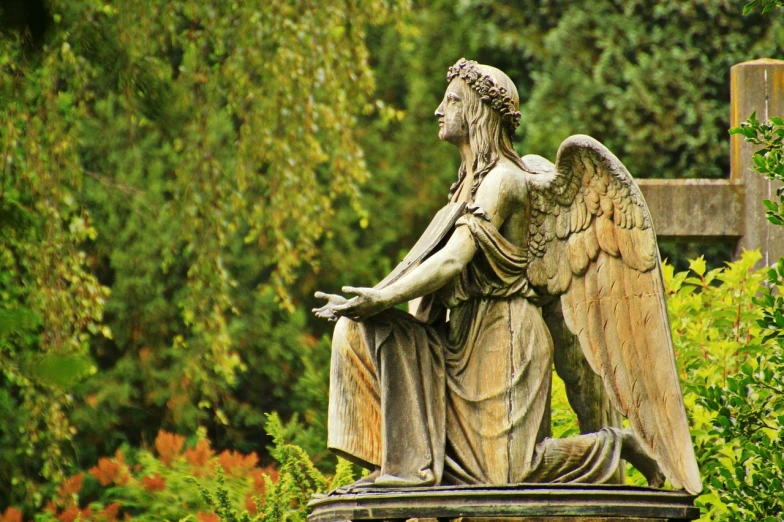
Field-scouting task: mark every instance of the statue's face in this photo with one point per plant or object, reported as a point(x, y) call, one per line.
point(451, 116)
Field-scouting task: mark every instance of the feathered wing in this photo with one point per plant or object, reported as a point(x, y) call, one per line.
point(584, 387)
point(592, 242)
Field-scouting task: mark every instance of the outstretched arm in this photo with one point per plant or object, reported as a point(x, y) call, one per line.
point(428, 277)
point(498, 195)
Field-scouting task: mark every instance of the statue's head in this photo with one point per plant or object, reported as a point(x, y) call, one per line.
point(478, 98)
point(480, 108)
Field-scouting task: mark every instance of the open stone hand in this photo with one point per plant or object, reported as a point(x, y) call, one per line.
point(327, 311)
point(367, 302)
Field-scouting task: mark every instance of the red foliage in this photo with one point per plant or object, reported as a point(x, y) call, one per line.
point(11, 515)
point(110, 471)
point(207, 517)
point(235, 462)
point(169, 446)
point(110, 512)
point(70, 486)
point(258, 478)
point(250, 504)
point(156, 483)
point(200, 455)
point(70, 514)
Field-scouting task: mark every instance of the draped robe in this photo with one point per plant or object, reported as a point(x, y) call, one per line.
point(463, 401)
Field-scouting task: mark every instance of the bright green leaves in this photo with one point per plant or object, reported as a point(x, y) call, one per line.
point(768, 160)
point(722, 322)
point(766, 6)
point(285, 498)
point(771, 303)
point(697, 266)
point(47, 287)
point(743, 462)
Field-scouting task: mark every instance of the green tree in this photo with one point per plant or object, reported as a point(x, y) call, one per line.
point(648, 79)
point(168, 151)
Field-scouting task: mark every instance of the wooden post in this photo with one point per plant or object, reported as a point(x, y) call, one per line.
point(756, 86)
point(729, 209)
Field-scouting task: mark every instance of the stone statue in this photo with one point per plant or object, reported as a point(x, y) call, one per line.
point(530, 262)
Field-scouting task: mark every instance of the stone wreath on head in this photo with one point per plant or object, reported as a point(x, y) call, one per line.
point(488, 90)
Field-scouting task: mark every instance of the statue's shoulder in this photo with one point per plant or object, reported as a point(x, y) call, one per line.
point(507, 179)
point(538, 165)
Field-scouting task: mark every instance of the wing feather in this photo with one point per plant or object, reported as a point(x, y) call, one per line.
point(562, 224)
point(592, 242)
point(577, 253)
point(605, 235)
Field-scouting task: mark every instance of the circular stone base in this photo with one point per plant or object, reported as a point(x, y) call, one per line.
point(514, 503)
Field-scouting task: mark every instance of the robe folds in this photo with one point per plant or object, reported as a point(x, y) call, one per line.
point(463, 401)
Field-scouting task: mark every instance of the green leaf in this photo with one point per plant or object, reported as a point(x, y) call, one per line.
point(17, 320)
point(62, 371)
point(697, 265)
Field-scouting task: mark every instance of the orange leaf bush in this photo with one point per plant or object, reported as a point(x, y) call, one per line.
point(70, 486)
point(200, 455)
point(72, 513)
point(151, 475)
point(169, 446)
point(110, 512)
point(234, 462)
point(11, 514)
point(111, 471)
point(156, 483)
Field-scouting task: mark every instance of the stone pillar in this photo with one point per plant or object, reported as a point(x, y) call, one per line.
point(756, 86)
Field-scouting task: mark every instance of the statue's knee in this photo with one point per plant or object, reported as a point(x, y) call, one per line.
point(341, 329)
point(343, 334)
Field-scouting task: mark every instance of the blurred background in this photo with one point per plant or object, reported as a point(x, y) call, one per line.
point(179, 177)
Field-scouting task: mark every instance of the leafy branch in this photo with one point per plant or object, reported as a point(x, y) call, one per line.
point(769, 159)
point(766, 5)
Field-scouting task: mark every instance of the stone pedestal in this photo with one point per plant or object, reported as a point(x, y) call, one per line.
point(515, 503)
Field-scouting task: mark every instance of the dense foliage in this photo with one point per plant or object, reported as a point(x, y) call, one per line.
point(648, 79)
point(766, 5)
point(768, 159)
point(179, 177)
point(168, 168)
point(732, 371)
point(187, 480)
point(740, 416)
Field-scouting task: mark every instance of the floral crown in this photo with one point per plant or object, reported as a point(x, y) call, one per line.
point(489, 92)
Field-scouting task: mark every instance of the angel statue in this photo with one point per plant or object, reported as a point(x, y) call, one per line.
point(531, 264)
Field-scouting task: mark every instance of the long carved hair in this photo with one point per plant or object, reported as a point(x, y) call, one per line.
point(488, 135)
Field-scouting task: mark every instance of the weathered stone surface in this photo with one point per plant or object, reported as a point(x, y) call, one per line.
point(756, 86)
point(518, 503)
point(550, 519)
point(422, 400)
point(699, 210)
